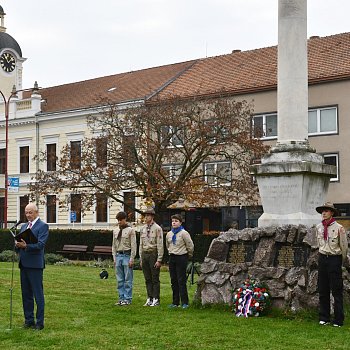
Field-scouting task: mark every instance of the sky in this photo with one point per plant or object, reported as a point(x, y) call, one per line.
point(66, 41)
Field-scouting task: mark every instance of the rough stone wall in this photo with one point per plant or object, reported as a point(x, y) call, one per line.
point(292, 287)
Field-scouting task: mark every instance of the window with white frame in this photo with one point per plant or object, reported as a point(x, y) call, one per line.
point(173, 171)
point(75, 140)
point(101, 152)
point(265, 125)
point(23, 202)
point(23, 149)
point(101, 207)
point(76, 205)
point(217, 173)
point(216, 133)
point(2, 160)
point(2, 209)
point(130, 205)
point(24, 159)
point(51, 142)
point(75, 154)
point(51, 208)
point(51, 157)
point(172, 136)
point(323, 121)
point(332, 159)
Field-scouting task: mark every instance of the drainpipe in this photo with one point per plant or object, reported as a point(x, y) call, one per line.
point(36, 106)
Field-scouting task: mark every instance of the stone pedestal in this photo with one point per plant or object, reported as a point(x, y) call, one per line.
point(292, 183)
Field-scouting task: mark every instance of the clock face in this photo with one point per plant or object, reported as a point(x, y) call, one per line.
point(7, 62)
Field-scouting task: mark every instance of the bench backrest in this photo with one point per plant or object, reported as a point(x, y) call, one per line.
point(102, 249)
point(75, 248)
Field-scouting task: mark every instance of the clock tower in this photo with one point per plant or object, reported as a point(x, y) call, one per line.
point(11, 60)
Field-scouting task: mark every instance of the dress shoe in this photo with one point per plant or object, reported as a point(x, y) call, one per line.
point(28, 325)
point(39, 327)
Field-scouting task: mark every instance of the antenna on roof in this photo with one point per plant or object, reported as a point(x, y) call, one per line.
point(206, 49)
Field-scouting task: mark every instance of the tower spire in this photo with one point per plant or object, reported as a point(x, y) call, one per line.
point(2, 20)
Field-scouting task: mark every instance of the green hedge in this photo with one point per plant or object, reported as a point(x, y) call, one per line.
point(58, 238)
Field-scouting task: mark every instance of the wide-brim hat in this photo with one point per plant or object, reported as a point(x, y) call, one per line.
point(149, 211)
point(328, 206)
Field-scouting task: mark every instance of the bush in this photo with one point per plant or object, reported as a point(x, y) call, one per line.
point(7, 256)
point(51, 258)
point(106, 263)
point(58, 238)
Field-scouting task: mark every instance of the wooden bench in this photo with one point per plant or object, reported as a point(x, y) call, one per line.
point(101, 250)
point(73, 250)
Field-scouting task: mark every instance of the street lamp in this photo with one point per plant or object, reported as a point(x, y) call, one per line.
point(7, 105)
point(7, 108)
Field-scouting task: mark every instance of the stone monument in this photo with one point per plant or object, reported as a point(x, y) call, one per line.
point(292, 178)
point(284, 258)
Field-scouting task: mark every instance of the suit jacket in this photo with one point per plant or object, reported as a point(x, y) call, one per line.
point(33, 255)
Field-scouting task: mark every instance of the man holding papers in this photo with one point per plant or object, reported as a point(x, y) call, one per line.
point(31, 264)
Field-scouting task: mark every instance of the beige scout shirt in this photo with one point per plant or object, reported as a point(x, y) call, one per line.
point(127, 242)
point(184, 244)
point(152, 241)
point(337, 242)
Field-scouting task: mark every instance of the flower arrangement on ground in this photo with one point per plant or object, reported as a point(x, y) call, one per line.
point(251, 298)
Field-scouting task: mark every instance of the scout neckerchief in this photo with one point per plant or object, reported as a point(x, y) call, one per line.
point(325, 224)
point(148, 229)
point(121, 227)
point(175, 231)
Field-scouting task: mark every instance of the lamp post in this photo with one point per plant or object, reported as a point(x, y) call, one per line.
point(7, 107)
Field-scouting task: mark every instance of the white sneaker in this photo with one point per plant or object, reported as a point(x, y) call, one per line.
point(323, 323)
point(148, 302)
point(155, 302)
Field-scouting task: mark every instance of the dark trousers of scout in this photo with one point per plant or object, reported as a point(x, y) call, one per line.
point(151, 274)
point(330, 280)
point(177, 269)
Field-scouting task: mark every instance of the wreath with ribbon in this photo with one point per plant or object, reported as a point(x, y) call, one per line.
point(251, 298)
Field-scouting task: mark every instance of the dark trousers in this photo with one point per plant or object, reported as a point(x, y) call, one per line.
point(32, 288)
point(177, 269)
point(330, 280)
point(151, 274)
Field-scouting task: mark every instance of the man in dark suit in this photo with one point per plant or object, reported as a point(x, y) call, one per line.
point(32, 264)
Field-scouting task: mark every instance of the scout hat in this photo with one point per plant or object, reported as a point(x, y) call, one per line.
point(149, 211)
point(328, 206)
point(103, 274)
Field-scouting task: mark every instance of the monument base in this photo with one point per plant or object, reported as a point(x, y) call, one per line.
point(267, 219)
point(292, 184)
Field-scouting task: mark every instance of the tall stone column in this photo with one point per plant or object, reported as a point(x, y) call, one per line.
point(292, 178)
point(292, 94)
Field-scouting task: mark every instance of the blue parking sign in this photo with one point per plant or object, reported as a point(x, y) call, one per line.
point(73, 216)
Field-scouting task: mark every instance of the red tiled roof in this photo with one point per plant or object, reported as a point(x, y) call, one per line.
point(129, 86)
point(235, 73)
point(247, 71)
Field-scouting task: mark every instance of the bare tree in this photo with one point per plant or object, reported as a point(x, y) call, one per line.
point(200, 150)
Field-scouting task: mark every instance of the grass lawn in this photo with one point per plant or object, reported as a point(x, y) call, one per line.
point(80, 314)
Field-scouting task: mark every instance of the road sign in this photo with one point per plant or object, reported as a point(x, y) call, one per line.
point(13, 184)
point(73, 216)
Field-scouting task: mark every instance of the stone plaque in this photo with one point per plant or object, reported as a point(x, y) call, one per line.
point(291, 255)
point(241, 252)
point(218, 250)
